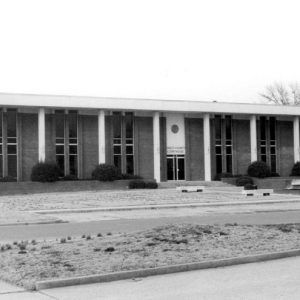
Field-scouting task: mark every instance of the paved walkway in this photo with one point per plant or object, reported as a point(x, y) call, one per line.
point(277, 279)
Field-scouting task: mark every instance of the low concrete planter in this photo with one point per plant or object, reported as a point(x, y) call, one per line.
point(29, 187)
point(55, 283)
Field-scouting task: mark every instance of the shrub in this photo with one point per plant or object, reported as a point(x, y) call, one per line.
point(242, 181)
point(136, 184)
point(45, 172)
point(274, 174)
point(249, 186)
point(222, 175)
point(259, 169)
point(104, 172)
point(151, 185)
point(296, 169)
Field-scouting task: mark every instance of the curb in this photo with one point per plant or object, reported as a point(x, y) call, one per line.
point(161, 206)
point(108, 277)
point(35, 223)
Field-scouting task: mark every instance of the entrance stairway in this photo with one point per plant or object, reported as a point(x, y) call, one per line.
point(213, 186)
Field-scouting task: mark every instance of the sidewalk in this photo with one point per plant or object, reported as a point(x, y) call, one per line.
point(278, 279)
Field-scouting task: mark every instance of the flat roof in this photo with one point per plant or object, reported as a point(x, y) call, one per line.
point(135, 104)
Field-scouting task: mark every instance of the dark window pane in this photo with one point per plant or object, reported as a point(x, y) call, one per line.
point(129, 125)
point(72, 124)
point(218, 150)
point(118, 162)
point(129, 164)
point(273, 150)
point(264, 157)
point(60, 160)
point(11, 149)
point(229, 164)
point(73, 141)
point(129, 149)
point(228, 150)
point(12, 166)
point(60, 125)
point(12, 140)
point(272, 128)
point(262, 128)
point(273, 163)
point(219, 164)
point(1, 166)
point(263, 150)
point(73, 164)
point(0, 149)
point(228, 127)
point(117, 126)
point(117, 149)
point(60, 149)
point(170, 168)
point(218, 128)
point(73, 150)
point(11, 123)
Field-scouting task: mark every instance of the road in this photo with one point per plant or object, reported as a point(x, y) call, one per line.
point(27, 232)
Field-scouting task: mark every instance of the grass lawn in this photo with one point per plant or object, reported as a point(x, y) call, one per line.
point(24, 263)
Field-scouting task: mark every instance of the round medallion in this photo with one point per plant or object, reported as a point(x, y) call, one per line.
point(174, 128)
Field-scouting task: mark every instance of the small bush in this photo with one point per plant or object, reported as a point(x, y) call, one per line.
point(296, 169)
point(274, 174)
point(259, 169)
point(104, 172)
point(63, 240)
point(223, 175)
point(249, 186)
point(136, 184)
point(242, 181)
point(45, 172)
point(151, 185)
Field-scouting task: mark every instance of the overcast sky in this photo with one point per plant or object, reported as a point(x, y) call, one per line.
point(199, 50)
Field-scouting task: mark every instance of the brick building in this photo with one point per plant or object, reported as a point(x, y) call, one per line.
point(165, 140)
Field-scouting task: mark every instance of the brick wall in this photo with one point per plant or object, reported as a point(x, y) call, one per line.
point(144, 147)
point(29, 144)
point(195, 149)
point(89, 144)
point(285, 158)
point(241, 146)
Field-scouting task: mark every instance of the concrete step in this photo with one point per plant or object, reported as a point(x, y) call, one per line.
point(174, 184)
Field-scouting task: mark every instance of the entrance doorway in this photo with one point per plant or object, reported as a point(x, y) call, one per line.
point(175, 167)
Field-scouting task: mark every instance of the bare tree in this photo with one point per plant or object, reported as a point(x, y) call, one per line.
point(282, 94)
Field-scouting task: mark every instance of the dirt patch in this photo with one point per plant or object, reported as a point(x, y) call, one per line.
point(23, 263)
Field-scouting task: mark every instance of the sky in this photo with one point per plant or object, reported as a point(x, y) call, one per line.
point(193, 50)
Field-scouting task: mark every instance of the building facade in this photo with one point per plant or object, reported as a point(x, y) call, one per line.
point(160, 139)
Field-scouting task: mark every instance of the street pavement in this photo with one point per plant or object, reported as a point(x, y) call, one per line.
point(46, 231)
point(277, 279)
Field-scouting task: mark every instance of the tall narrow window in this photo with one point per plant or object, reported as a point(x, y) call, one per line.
point(273, 144)
point(73, 142)
point(123, 142)
point(228, 143)
point(129, 143)
point(12, 143)
point(117, 140)
point(60, 140)
point(218, 145)
point(263, 139)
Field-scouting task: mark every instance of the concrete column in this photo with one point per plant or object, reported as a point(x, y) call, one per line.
point(156, 146)
point(207, 158)
point(101, 137)
point(296, 139)
point(41, 135)
point(253, 138)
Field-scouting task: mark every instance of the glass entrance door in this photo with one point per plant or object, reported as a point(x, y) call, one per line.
point(175, 167)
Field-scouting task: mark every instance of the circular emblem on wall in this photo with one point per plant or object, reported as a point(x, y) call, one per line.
point(174, 128)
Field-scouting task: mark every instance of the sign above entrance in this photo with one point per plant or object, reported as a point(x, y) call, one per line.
point(175, 134)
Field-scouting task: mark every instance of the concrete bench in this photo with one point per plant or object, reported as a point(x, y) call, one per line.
point(259, 192)
point(186, 189)
point(295, 184)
